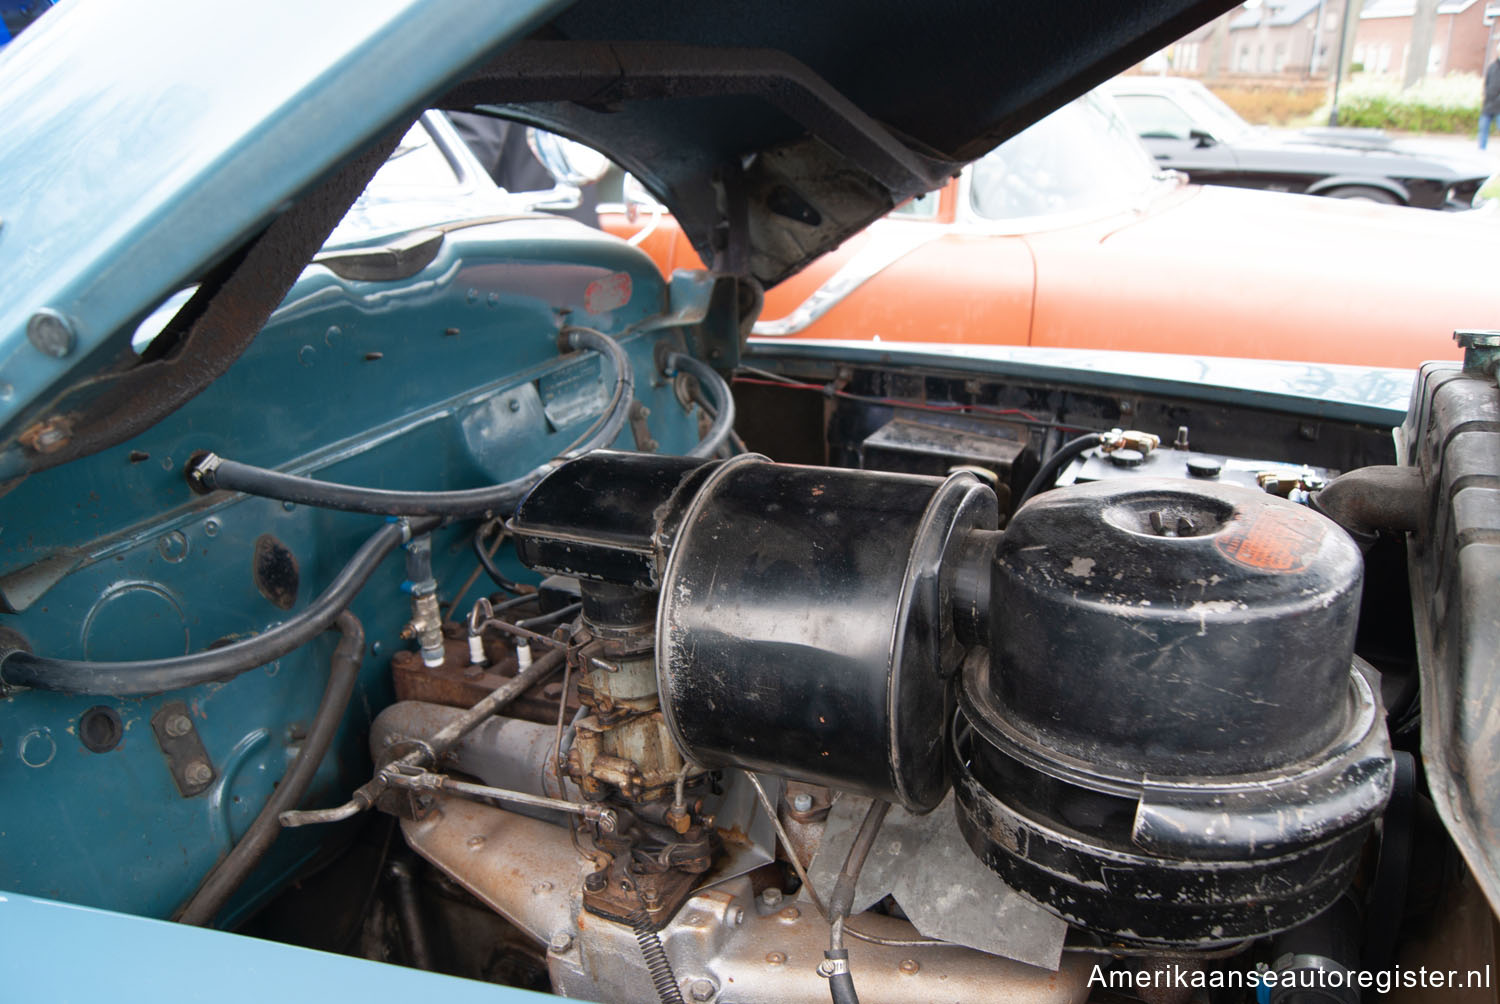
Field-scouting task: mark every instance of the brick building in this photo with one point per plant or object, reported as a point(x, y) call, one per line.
point(1382, 42)
point(1281, 37)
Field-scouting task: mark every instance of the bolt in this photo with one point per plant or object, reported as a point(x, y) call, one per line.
point(51, 333)
point(776, 958)
point(703, 990)
point(513, 405)
point(790, 913)
point(910, 966)
point(475, 842)
point(771, 897)
point(802, 802)
point(178, 726)
point(541, 887)
point(561, 942)
point(198, 773)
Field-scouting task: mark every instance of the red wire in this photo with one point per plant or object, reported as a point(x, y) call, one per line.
point(893, 402)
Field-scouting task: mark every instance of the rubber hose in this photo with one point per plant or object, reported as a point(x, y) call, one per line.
point(210, 472)
point(1047, 476)
point(226, 876)
point(491, 569)
point(723, 403)
point(157, 676)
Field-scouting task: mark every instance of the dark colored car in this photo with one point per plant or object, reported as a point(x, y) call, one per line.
point(456, 607)
point(1188, 128)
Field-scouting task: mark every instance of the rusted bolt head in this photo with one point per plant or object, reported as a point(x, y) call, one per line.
point(790, 913)
point(776, 958)
point(475, 842)
point(178, 726)
point(909, 966)
point(198, 772)
point(703, 990)
point(594, 881)
point(802, 802)
point(561, 942)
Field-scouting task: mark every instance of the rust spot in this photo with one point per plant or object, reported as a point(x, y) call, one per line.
point(274, 569)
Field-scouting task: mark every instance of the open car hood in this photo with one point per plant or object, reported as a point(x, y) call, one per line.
point(219, 145)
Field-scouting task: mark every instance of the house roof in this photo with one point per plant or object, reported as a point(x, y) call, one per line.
point(1407, 8)
point(1277, 13)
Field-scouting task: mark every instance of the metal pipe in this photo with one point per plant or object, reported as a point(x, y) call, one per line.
point(228, 874)
point(409, 911)
point(410, 778)
point(445, 739)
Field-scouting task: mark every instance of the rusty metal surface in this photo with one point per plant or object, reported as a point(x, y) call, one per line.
point(458, 684)
point(529, 873)
point(192, 770)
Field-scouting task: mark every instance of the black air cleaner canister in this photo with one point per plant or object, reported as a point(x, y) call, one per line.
point(805, 624)
point(805, 616)
point(1170, 741)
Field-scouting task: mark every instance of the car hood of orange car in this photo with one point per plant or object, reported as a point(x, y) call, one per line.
point(1291, 277)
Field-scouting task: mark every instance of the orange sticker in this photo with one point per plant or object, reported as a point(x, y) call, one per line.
point(1275, 540)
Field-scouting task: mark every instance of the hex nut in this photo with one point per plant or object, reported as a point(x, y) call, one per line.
point(802, 802)
point(561, 942)
point(198, 773)
point(177, 726)
point(771, 897)
point(703, 990)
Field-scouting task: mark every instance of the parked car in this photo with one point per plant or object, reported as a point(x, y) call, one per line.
point(711, 668)
point(1188, 128)
point(1067, 236)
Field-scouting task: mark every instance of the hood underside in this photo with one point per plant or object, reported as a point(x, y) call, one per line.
point(775, 130)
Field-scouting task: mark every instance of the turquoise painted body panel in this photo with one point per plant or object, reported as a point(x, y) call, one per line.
point(450, 378)
point(180, 963)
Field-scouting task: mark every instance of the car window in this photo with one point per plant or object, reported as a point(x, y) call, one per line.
point(416, 162)
point(1083, 156)
point(1214, 115)
point(1155, 117)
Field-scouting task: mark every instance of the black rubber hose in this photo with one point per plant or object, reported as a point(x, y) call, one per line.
point(490, 568)
point(209, 472)
point(226, 876)
point(1047, 476)
point(723, 402)
point(841, 981)
point(157, 676)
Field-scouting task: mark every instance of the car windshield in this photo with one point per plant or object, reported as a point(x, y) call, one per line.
point(1211, 111)
point(1081, 157)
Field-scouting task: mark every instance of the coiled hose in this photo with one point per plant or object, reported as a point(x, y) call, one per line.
point(228, 874)
point(657, 963)
point(157, 676)
point(723, 402)
point(209, 472)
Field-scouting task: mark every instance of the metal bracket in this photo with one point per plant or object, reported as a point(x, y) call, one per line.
point(192, 770)
point(640, 430)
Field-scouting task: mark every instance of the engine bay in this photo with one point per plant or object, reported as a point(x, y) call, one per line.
point(943, 684)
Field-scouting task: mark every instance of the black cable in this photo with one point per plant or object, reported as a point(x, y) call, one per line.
point(840, 980)
point(226, 876)
point(487, 562)
point(1047, 476)
point(532, 623)
point(722, 408)
point(157, 676)
point(209, 472)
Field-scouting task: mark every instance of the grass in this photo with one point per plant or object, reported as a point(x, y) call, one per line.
point(1271, 105)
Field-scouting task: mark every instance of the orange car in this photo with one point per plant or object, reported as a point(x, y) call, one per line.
point(1069, 236)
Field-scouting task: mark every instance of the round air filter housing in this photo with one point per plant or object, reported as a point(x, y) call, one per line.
point(1171, 741)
